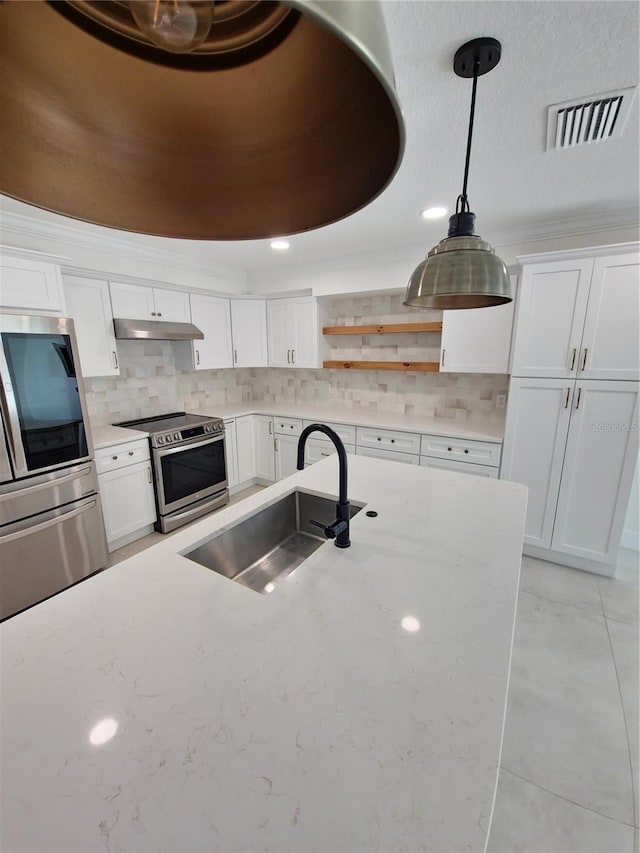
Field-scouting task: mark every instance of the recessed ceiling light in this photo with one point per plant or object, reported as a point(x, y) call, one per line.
point(410, 623)
point(279, 245)
point(434, 213)
point(103, 731)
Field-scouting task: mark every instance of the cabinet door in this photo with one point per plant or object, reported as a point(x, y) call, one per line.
point(280, 332)
point(30, 285)
point(477, 340)
point(611, 334)
point(265, 462)
point(286, 448)
point(246, 448)
point(131, 301)
point(128, 500)
point(213, 317)
point(249, 332)
point(89, 305)
point(231, 452)
point(535, 438)
point(306, 342)
point(551, 312)
point(599, 463)
point(171, 305)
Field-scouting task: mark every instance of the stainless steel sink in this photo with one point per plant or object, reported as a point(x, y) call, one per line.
point(269, 545)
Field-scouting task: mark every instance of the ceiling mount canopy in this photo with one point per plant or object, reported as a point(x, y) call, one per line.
point(227, 120)
point(463, 271)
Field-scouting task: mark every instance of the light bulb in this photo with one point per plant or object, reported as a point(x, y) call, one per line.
point(174, 25)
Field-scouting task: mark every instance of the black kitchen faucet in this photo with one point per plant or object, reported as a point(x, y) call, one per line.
point(339, 529)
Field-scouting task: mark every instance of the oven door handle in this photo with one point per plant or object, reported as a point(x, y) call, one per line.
point(187, 445)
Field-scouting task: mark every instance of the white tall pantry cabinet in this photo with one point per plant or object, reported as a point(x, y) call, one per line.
point(572, 423)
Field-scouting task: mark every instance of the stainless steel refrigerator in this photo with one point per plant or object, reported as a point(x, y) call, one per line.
point(51, 525)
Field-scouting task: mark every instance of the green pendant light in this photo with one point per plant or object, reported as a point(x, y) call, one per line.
point(463, 271)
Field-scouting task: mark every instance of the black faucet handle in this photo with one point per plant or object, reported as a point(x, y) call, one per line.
point(331, 531)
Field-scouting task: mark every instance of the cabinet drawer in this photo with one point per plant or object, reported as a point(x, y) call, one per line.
point(317, 450)
point(462, 467)
point(346, 432)
point(120, 455)
point(442, 447)
point(287, 426)
point(386, 439)
point(392, 455)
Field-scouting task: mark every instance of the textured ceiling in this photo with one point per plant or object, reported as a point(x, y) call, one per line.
point(552, 51)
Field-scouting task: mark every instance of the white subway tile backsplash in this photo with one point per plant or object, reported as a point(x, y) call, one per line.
point(151, 382)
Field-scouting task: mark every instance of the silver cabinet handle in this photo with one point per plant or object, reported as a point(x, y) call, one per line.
point(148, 473)
point(235, 356)
point(443, 355)
point(288, 356)
point(574, 352)
point(578, 400)
point(325, 454)
point(270, 427)
point(197, 356)
point(293, 356)
point(566, 402)
point(115, 359)
point(275, 443)
point(584, 359)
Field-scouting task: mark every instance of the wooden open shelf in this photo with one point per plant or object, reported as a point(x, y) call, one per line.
point(407, 366)
point(382, 329)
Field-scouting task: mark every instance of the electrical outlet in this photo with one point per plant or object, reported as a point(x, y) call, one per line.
point(501, 401)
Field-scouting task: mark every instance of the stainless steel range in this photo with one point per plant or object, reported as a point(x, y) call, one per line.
point(190, 471)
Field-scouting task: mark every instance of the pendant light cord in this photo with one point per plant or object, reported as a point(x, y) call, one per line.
point(462, 202)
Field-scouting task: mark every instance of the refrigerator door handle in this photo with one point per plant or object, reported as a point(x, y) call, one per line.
point(10, 418)
point(6, 474)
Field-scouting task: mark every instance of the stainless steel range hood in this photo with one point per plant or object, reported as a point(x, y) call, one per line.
point(155, 330)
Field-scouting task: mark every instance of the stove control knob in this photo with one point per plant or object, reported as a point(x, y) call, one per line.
point(176, 435)
point(207, 427)
point(160, 439)
point(168, 438)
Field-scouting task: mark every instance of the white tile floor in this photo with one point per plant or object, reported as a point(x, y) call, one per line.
point(569, 772)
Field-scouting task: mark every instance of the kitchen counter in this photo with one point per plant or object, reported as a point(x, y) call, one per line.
point(307, 719)
point(105, 436)
point(361, 417)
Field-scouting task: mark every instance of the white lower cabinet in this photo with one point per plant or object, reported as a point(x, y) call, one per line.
point(574, 445)
point(462, 467)
point(245, 444)
point(286, 448)
point(89, 305)
point(126, 489)
point(392, 455)
point(231, 452)
point(264, 447)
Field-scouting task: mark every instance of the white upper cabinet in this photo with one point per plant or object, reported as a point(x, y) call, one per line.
point(477, 340)
point(249, 332)
point(293, 332)
point(212, 316)
point(30, 285)
point(136, 302)
point(578, 318)
point(89, 305)
point(551, 313)
point(611, 330)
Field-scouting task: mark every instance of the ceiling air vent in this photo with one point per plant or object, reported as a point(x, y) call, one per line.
point(586, 120)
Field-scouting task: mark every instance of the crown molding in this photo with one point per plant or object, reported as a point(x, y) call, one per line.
point(19, 224)
point(572, 254)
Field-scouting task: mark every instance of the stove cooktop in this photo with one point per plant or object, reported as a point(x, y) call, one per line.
point(174, 421)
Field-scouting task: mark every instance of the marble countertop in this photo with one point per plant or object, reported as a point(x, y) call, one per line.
point(307, 719)
point(106, 436)
point(361, 417)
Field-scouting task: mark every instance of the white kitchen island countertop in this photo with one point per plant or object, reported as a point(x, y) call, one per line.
point(304, 720)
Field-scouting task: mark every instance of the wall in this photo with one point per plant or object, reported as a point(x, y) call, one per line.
point(151, 382)
point(391, 269)
point(631, 532)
